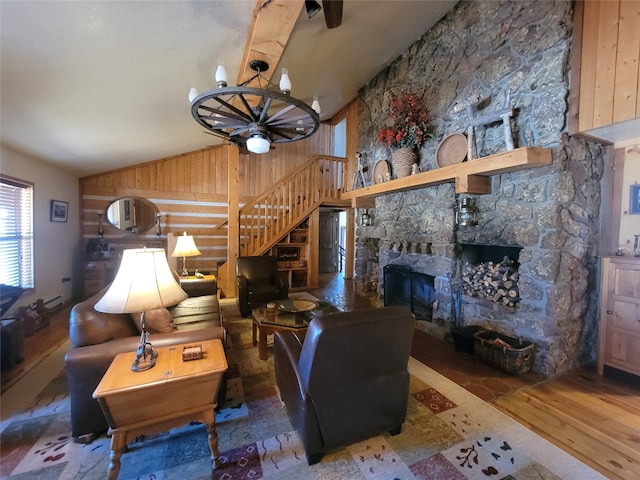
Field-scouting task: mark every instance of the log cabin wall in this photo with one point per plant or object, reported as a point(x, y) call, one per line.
point(190, 192)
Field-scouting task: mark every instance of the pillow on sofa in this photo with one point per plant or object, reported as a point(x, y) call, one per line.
point(157, 320)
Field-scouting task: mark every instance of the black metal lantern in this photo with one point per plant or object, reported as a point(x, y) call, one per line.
point(467, 213)
point(366, 218)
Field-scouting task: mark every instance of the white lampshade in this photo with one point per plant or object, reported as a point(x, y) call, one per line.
point(144, 281)
point(258, 144)
point(221, 75)
point(285, 82)
point(185, 247)
point(193, 93)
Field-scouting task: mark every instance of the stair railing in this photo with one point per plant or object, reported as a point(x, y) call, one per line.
point(274, 213)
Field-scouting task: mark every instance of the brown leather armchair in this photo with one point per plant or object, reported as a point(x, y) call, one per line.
point(258, 282)
point(348, 381)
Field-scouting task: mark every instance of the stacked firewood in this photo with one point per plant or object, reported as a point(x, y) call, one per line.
point(497, 282)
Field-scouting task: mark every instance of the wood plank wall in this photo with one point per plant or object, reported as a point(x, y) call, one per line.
point(190, 191)
point(608, 73)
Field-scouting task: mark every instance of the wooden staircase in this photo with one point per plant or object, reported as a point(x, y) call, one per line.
point(265, 220)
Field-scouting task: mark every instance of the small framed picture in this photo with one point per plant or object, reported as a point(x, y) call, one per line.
point(634, 200)
point(59, 211)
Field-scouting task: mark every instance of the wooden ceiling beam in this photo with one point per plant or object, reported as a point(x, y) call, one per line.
point(271, 27)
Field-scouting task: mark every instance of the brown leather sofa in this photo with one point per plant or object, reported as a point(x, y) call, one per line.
point(96, 338)
point(258, 282)
point(348, 381)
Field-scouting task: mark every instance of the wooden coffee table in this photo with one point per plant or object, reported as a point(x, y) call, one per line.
point(267, 321)
point(171, 394)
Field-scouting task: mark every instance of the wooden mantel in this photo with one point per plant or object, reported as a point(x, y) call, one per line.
point(470, 177)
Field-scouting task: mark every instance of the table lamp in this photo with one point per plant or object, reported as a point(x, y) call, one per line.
point(185, 247)
point(144, 281)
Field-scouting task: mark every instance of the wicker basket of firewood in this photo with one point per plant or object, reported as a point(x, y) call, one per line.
point(511, 354)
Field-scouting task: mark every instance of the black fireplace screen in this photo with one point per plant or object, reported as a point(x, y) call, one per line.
point(404, 287)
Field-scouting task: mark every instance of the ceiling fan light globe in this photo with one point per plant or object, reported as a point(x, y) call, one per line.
point(258, 144)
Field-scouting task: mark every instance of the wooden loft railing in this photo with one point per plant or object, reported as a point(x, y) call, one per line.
point(288, 202)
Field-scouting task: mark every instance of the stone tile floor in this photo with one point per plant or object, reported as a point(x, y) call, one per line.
point(467, 371)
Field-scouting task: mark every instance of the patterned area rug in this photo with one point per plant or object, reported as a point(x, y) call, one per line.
point(449, 434)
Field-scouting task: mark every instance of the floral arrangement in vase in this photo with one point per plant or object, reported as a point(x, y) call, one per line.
point(408, 127)
point(409, 122)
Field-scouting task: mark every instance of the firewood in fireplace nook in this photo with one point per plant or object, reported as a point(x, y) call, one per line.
point(496, 282)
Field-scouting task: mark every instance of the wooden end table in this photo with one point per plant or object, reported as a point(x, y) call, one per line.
point(267, 321)
point(194, 286)
point(171, 394)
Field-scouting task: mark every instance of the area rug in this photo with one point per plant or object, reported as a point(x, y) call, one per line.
point(449, 434)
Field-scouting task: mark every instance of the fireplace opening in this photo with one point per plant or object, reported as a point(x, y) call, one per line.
point(407, 288)
point(475, 254)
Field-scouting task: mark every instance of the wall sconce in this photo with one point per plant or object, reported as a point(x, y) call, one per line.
point(466, 212)
point(365, 218)
point(100, 228)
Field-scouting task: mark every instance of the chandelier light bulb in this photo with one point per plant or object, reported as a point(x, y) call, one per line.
point(221, 75)
point(300, 128)
point(285, 82)
point(316, 105)
point(193, 93)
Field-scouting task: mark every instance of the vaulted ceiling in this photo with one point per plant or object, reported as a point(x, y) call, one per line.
point(92, 86)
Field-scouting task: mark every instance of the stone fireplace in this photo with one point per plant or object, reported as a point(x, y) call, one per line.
point(498, 50)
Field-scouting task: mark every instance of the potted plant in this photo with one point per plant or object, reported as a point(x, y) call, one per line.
point(408, 126)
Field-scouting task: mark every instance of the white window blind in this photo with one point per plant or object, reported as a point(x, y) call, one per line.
point(16, 233)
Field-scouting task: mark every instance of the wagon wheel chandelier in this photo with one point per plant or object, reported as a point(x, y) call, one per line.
point(254, 117)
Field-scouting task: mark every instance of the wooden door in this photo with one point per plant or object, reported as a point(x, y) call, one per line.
point(328, 245)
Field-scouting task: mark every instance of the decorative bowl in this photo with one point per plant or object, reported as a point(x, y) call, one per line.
point(297, 305)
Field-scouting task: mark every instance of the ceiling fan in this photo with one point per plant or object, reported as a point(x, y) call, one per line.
point(332, 11)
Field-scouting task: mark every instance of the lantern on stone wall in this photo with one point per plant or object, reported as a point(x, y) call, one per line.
point(466, 212)
point(366, 218)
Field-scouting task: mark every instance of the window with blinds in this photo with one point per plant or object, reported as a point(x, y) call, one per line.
point(16, 233)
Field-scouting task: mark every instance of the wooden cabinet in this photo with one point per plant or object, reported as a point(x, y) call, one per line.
point(98, 274)
point(292, 254)
point(619, 335)
point(102, 259)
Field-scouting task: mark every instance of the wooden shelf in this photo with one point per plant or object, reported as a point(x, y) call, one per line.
point(470, 177)
point(296, 240)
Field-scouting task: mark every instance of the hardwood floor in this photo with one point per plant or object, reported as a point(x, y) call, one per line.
point(595, 419)
point(39, 345)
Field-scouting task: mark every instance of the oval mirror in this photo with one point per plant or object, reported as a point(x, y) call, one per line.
point(132, 214)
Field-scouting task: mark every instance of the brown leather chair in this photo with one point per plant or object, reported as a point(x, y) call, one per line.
point(258, 282)
point(348, 381)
